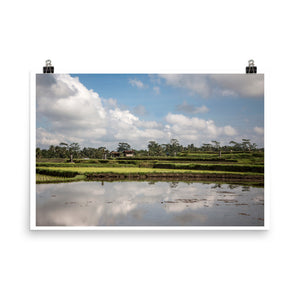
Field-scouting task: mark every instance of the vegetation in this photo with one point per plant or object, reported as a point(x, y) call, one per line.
point(65, 171)
point(123, 147)
point(65, 162)
point(173, 149)
point(60, 172)
point(54, 179)
point(211, 167)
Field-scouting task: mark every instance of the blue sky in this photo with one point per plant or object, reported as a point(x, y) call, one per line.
point(158, 104)
point(104, 109)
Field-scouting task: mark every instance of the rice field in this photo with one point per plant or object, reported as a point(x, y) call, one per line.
point(40, 178)
point(243, 165)
point(93, 170)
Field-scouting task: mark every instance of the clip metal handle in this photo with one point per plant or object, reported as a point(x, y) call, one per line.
point(250, 62)
point(48, 68)
point(251, 67)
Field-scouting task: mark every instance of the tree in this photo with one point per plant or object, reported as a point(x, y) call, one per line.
point(38, 153)
point(246, 144)
point(154, 148)
point(217, 147)
point(166, 148)
point(74, 149)
point(102, 152)
point(51, 151)
point(254, 146)
point(123, 146)
point(175, 147)
point(63, 149)
point(207, 147)
point(236, 146)
point(70, 151)
point(191, 148)
point(141, 152)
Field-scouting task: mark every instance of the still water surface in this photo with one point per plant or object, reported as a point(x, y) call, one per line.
point(149, 203)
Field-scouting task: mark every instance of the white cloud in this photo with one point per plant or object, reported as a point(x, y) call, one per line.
point(191, 109)
point(149, 124)
point(156, 89)
point(195, 130)
point(68, 112)
point(136, 83)
point(195, 83)
point(230, 131)
point(69, 109)
point(123, 116)
point(259, 130)
point(120, 204)
point(225, 85)
point(47, 138)
point(243, 85)
point(140, 110)
point(185, 122)
point(110, 102)
point(201, 109)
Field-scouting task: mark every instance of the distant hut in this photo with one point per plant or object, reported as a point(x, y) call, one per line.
point(115, 154)
point(128, 153)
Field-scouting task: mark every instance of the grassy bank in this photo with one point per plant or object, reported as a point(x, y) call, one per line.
point(55, 179)
point(240, 167)
point(65, 171)
point(212, 167)
point(226, 157)
point(112, 173)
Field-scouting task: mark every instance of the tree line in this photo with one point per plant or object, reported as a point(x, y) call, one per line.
point(173, 148)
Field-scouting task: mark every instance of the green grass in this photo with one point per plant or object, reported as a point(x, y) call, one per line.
point(40, 178)
point(212, 167)
point(141, 171)
point(86, 165)
point(52, 160)
point(243, 164)
point(244, 158)
point(59, 172)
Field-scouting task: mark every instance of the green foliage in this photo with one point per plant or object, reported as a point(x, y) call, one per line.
point(49, 164)
point(56, 172)
point(55, 166)
point(87, 161)
point(89, 152)
point(123, 146)
point(127, 161)
point(177, 158)
point(173, 150)
point(146, 164)
point(211, 167)
point(55, 179)
point(154, 149)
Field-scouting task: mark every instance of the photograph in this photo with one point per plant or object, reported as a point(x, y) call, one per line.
point(149, 150)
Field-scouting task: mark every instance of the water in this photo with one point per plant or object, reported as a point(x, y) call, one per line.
point(149, 203)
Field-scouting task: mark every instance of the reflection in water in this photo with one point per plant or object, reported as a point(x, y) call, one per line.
point(148, 203)
point(232, 186)
point(173, 184)
point(216, 185)
point(246, 188)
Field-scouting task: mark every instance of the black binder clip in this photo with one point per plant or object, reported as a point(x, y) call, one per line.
point(251, 68)
point(48, 68)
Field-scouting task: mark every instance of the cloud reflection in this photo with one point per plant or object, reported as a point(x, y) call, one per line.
point(141, 203)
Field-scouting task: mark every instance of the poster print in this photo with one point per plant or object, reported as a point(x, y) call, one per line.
point(149, 150)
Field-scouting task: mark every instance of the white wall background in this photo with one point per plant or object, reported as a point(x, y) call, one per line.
point(150, 36)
